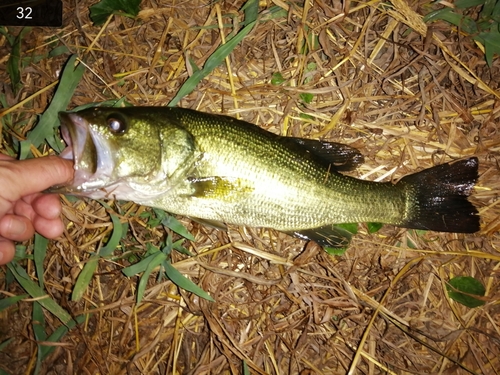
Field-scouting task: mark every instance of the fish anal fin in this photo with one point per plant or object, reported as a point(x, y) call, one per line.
point(327, 236)
point(211, 223)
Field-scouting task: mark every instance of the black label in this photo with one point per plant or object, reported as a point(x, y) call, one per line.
point(31, 13)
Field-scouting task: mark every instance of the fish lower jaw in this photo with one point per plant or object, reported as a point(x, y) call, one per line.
point(120, 190)
point(67, 153)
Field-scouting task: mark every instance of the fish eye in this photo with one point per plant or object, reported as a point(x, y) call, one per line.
point(116, 124)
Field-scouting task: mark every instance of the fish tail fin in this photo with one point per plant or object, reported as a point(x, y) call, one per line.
point(438, 198)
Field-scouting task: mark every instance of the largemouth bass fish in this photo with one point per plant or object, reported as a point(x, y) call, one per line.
point(217, 168)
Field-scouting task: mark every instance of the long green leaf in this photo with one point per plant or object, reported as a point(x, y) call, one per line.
point(45, 129)
point(38, 325)
point(39, 252)
point(7, 302)
point(115, 238)
point(246, 370)
point(58, 334)
point(349, 227)
point(496, 12)
point(488, 9)
point(138, 267)
point(374, 227)
point(251, 9)
point(154, 261)
point(336, 251)
point(100, 12)
point(183, 282)
point(36, 292)
point(491, 45)
point(212, 62)
point(84, 278)
point(468, 3)
point(463, 288)
point(14, 62)
point(171, 222)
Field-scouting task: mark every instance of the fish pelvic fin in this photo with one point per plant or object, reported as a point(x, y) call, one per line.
point(437, 198)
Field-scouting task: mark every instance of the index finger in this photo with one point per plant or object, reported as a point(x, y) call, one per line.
point(19, 178)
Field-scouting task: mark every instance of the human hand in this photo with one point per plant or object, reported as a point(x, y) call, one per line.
point(23, 209)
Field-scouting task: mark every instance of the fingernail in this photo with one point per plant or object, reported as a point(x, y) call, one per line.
point(17, 227)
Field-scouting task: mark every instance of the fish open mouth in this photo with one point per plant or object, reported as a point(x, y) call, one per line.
point(92, 163)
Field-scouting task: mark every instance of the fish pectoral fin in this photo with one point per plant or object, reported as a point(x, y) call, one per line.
point(342, 157)
point(217, 187)
point(327, 236)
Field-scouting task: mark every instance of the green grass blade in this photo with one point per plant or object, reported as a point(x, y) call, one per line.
point(7, 34)
point(154, 261)
point(349, 227)
point(212, 62)
point(14, 62)
point(183, 282)
point(38, 322)
point(100, 12)
point(167, 249)
point(465, 23)
point(463, 289)
point(251, 9)
point(83, 280)
point(468, 3)
point(488, 8)
point(335, 251)
point(374, 227)
point(491, 45)
point(177, 245)
point(246, 370)
point(38, 325)
point(45, 129)
point(57, 335)
point(9, 301)
point(115, 238)
point(442, 14)
point(137, 268)
point(39, 252)
point(277, 79)
point(171, 222)
point(36, 292)
point(495, 14)
point(59, 50)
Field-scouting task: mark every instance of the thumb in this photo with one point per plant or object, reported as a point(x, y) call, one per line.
point(19, 178)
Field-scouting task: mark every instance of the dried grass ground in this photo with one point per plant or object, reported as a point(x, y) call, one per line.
point(408, 95)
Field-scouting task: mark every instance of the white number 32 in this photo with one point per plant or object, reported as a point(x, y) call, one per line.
point(24, 13)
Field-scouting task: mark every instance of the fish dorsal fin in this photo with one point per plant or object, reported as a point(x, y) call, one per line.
point(219, 187)
point(342, 157)
point(327, 236)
